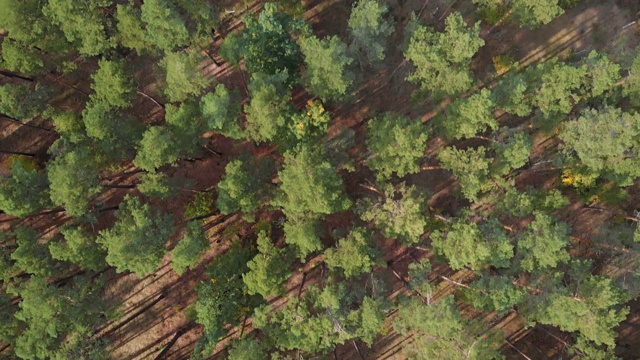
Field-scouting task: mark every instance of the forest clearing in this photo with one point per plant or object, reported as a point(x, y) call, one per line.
point(339, 179)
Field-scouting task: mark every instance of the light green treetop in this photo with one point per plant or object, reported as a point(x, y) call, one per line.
point(136, 242)
point(370, 30)
point(326, 72)
point(397, 143)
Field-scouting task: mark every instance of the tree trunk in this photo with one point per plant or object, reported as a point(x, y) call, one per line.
point(132, 317)
point(15, 76)
point(163, 354)
point(3, 116)
point(18, 153)
point(116, 186)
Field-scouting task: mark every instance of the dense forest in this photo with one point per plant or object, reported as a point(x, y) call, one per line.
point(339, 179)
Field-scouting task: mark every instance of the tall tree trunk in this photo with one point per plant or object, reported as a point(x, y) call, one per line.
point(15, 76)
point(132, 317)
point(163, 354)
point(18, 153)
point(116, 186)
point(3, 116)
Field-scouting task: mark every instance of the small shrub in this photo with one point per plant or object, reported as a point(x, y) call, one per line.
point(202, 204)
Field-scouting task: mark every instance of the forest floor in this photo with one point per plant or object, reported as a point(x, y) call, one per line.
point(159, 303)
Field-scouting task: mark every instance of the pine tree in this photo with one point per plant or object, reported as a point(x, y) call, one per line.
point(136, 242)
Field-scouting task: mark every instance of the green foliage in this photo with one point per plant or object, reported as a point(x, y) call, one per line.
point(269, 108)
point(471, 167)
point(247, 348)
point(399, 213)
point(265, 42)
point(397, 144)
point(440, 332)
point(494, 293)
point(631, 87)
point(307, 127)
point(594, 312)
point(522, 204)
point(31, 256)
point(465, 118)
point(602, 74)
point(310, 185)
point(136, 242)
point(156, 149)
point(69, 125)
point(25, 192)
point(57, 321)
point(559, 90)
point(268, 270)
point(82, 23)
point(475, 245)
point(203, 203)
point(602, 140)
point(115, 131)
point(78, 247)
point(184, 121)
point(183, 78)
point(514, 94)
point(221, 299)
point(21, 102)
point(326, 72)
point(514, 153)
point(165, 28)
point(190, 248)
point(322, 319)
point(369, 30)
point(245, 185)
point(442, 59)
point(534, 13)
point(354, 255)
point(303, 233)
point(25, 23)
point(156, 185)
point(112, 84)
point(22, 58)
point(221, 111)
point(542, 244)
point(74, 180)
point(131, 32)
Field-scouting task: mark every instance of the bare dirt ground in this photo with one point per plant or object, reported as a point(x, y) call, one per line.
point(168, 295)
